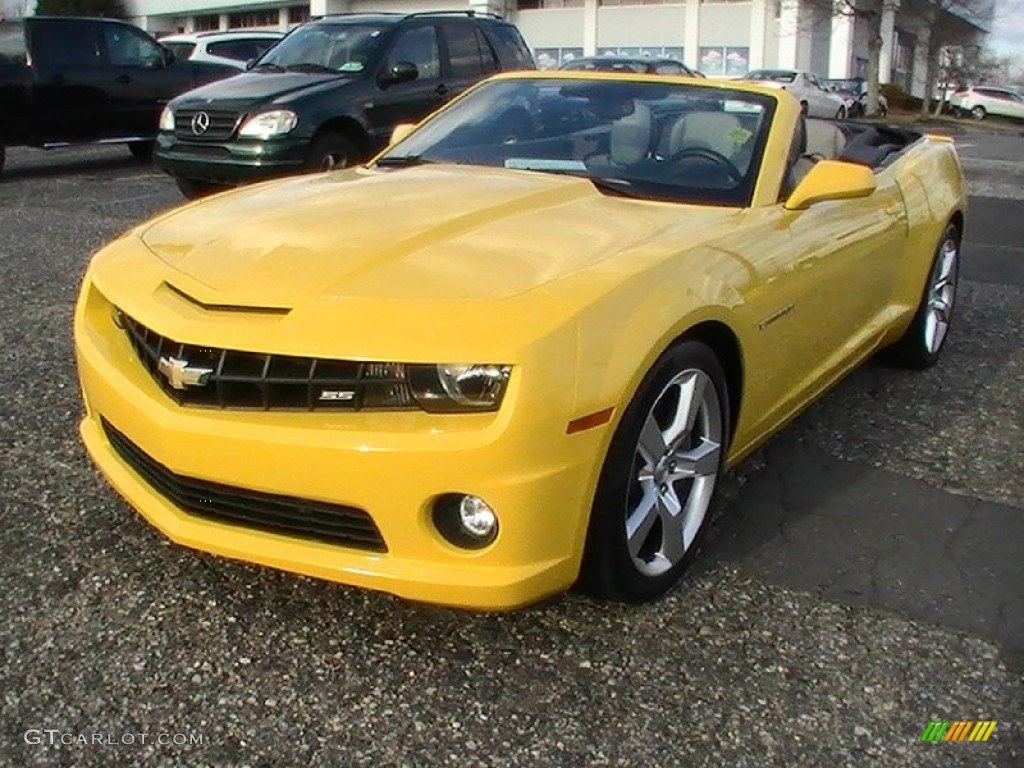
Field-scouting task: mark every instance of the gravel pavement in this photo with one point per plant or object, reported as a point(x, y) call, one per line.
point(865, 575)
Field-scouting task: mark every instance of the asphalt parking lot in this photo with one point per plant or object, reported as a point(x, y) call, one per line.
point(866, 574)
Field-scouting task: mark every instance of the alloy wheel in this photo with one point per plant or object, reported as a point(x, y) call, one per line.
point(675, 466)
point(941, 295)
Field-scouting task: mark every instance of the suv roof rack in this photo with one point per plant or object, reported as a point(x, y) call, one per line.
point(469, 14)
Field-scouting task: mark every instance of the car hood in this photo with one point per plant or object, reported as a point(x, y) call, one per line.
point(427, 234)
point(253, 88)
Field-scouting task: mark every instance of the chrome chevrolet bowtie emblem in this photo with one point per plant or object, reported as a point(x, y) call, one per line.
point(200, 123)
point(180, 374)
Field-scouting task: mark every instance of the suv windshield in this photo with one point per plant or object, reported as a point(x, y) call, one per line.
point(324, 47)
point(679, 143)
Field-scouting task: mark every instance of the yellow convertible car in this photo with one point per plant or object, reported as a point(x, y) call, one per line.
point(517, 350)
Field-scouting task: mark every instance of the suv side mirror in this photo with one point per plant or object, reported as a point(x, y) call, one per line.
point(400, 72)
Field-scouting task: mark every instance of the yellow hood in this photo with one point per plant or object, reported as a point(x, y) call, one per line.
point(425, 234)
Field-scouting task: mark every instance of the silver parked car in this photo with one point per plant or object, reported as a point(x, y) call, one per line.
point(233, 47)
point(982, 100)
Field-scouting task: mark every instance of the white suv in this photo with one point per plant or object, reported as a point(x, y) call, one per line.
point(234, 48)
point(982, 100)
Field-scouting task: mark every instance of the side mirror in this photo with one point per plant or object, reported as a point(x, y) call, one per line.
point(400, 72)
point(401, 131)
point(831, 180)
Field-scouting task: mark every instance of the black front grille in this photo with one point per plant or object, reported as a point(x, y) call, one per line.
point(220, 124)
point(225, 378)
point(288, 515)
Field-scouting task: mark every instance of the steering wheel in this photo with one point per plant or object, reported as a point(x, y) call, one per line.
point(705, 153)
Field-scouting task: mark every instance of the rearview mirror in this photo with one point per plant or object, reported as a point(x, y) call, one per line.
point(831, 180)
point(401, 131)
point(400, 72)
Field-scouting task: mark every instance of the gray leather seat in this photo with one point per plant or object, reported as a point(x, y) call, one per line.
point(717, 131)
point(631, 137)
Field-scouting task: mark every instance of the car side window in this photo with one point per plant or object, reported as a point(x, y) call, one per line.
point(129, 47)
point(66, 44)
point(417, 46)
point(463, 50)
point(511, 42)
point(238, 50)
point(12, 44)
point(668, 69)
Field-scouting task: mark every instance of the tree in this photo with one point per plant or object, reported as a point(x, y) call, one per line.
point(110, 9)
point(872, 11)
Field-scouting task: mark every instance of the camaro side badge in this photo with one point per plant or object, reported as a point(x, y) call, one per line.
point(180, 375)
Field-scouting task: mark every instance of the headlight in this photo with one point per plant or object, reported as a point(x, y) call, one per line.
point(167, 120)
point(459, 387)
point(265, 125)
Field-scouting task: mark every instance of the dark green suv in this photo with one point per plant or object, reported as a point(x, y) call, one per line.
point(329, 94)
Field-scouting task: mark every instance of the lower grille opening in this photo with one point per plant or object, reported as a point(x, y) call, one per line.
point(288, 515)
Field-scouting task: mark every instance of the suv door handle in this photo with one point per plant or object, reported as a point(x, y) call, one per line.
point(441, 89)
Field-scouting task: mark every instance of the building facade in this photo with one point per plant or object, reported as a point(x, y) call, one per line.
point(718, 37)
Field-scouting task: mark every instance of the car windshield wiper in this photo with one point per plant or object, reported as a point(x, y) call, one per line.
point(612, 184)
point(401, 161)
point(308, 66)
point(268, 67)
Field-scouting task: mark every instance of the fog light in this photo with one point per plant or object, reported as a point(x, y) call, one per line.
point(466, 521)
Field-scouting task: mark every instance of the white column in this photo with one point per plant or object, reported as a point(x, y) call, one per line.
point(789, 28)
point(589, 27)
point(758, 30)
point(282, 19)
point(327, 7)
point(919, 75)
point(888, 40)
point(841, 47)
point(224, 22)
point(691, 35)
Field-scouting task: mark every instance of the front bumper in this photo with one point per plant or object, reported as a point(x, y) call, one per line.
point(393, 465)
point(229, 162)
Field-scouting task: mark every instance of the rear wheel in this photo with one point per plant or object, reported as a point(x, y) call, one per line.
point(978, 113)
point(194, 189)
point(141, 150)
point(656, 487)
point(331, 151)
point(923, 341)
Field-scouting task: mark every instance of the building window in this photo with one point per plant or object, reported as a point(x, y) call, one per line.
point(639, 2)
point(298, 14)
point(208, 23)
point(532, 5)
point(266, 18)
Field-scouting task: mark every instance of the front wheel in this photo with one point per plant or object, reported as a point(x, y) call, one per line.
point(978, 113)
point(923, 341)
point(194, 189)
point(141, 150)
point(654, 495)
point(331, 151)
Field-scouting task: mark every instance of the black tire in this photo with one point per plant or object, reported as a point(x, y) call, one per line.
point(978, 112)
point(917, 347)
point(842, 113)
point(331, 151)
point(610, 569)
point(194, 189)
point(141, 150)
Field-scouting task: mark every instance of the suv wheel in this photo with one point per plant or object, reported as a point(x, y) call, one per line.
point(193, 189)
point(978, 113)
point(141, 150)
point(331, 151)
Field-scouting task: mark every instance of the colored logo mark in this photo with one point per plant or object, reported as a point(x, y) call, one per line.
point(958, 730)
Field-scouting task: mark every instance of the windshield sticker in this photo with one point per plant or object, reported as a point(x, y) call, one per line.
point(544, 164)
point(739, 135)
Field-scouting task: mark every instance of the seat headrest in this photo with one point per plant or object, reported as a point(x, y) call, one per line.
point(631, 136)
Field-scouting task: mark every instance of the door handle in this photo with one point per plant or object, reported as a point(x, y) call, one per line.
point(896, 210)
point(441, 89)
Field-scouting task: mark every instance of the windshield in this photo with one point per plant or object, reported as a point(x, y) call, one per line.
point(775, 75)
point(324, 48)
point(678, 143)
